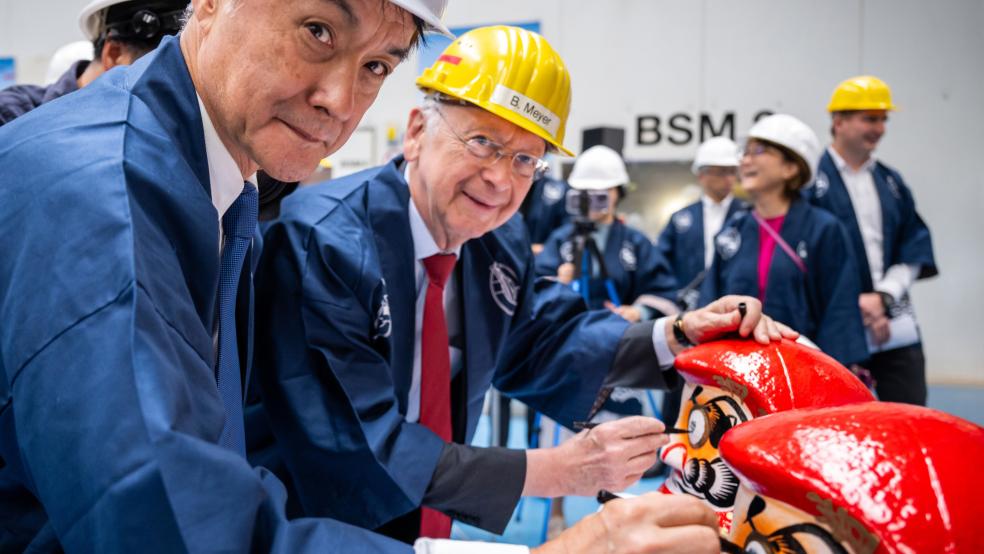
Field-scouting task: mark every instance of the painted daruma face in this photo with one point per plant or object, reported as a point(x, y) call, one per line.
point(730, 382)
point(706, 413)
point(764, 525)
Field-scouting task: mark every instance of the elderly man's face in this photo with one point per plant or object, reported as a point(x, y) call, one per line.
point(286, 83)
point(460, 196)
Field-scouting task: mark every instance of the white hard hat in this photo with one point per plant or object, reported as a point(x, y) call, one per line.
point(92, 20)
point(64, 58)
point(786, 130)
point(717, 151)
point(430, 11)
point(93, 17)
point(598, 168)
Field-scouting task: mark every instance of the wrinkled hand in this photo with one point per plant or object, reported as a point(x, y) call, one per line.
point(565, 273)
point(872, 307)
point(630, 313)
point(722, 317)
point(612, 456)
point(650, 524)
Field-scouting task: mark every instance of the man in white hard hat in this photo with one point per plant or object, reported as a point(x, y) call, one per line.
point(625, 271)
point(128, 225)
point(687, 241)
point(119, 32)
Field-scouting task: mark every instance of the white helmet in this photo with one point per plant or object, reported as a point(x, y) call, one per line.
point(64, 58)
point(717, 151)
point(598, 168)
point(92, 19)
point(430, 11)
point(786, 130)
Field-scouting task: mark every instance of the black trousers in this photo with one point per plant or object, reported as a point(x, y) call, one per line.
point(900, 375)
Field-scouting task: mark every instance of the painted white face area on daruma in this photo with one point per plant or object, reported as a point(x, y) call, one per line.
point(764, 525)
point(706, 413)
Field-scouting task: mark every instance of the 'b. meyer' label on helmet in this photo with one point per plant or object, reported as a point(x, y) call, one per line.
point(526, 108)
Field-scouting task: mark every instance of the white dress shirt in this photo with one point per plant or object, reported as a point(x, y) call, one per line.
point(861, 187)
point(424, 247)
point(225, 179)
point(714, 215)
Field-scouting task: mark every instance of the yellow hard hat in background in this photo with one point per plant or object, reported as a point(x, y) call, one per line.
point(861, 93)
point(510, 72)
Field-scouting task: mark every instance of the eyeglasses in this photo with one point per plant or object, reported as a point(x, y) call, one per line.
point(523, 165)
point(755, 149)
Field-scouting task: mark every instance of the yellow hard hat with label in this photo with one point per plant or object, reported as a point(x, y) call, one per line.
point(510, 72)
point(861, 93)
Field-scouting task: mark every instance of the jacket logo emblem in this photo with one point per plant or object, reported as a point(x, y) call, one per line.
point(628, 257)
point(383, 325)
point(682, 221)
point(821, 185)
point(504, 286)
point(567, 251)
point(552, 192)
point(728, 243)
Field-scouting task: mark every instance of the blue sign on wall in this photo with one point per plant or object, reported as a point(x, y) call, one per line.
point(437, 43)
point(8, 75)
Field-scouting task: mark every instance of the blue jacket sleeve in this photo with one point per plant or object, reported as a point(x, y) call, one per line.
point(840, 332)
point(117, 416)
point(329, 391)
point(914, 242)
point(558, 353)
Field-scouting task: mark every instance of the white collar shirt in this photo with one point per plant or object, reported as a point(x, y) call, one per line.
point(424, 246)
point(225, 179)
point(714, 215)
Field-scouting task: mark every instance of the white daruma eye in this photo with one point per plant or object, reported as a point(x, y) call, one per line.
point(756, 547)
point(697, 427)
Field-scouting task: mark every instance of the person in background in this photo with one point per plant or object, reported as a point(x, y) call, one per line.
point(630, 277)
point(120, 31)
point(687, 241)
point(544, 210)
point(65, 58)
point(891, 244)
point(795, 258)
point(391, 299)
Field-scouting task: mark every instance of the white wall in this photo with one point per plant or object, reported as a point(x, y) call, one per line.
point(665, 57)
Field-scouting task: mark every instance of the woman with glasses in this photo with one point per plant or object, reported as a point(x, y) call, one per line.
point(793, 257)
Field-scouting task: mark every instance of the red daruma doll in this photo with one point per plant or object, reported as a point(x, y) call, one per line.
point(869, 478)
point(730, 382)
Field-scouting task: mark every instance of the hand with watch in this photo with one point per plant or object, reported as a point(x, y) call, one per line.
point(724, 316)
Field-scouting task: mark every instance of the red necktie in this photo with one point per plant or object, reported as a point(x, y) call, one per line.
point(435, 375)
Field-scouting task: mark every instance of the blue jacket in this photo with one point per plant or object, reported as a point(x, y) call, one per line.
point(545, 208)
point(17, 100)
point(905, 238)
point(336, 296)
point(109, 412)
point(682, 243)
point(822, 304)
point(634, 265)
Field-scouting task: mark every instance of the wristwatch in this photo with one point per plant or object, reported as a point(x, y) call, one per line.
point(679, 334)
point(887, 301)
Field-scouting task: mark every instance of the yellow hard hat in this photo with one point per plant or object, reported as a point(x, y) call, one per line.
point(861, 93)
point(510, 72)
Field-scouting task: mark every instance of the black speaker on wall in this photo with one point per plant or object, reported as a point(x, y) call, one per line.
point(612, 137)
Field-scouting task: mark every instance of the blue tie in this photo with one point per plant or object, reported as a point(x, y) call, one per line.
point(238, 225)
